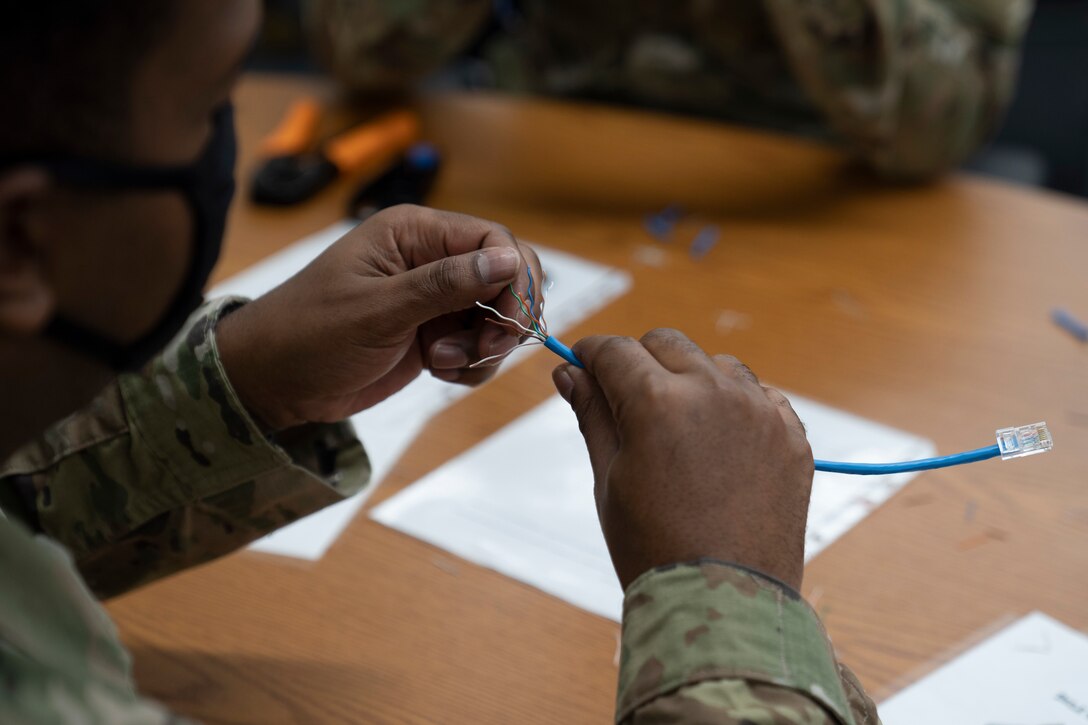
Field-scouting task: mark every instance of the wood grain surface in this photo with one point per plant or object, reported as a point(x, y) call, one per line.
point(922, 307)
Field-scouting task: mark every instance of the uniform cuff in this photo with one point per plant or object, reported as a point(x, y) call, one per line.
point(184, 410)
point(706, 620)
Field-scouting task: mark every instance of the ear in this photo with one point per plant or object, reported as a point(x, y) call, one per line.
point(26, 296)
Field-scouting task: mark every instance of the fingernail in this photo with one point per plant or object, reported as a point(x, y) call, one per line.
point(564, 383)
point(445, 356)
point(449, 376)
point(502, 343)
point(497, 264)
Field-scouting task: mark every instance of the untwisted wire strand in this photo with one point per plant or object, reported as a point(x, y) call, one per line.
point(536, 330)
point(536, 321)
point(493, 360)
point(505, 321)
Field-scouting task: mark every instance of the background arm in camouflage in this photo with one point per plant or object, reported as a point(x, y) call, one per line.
point(380, 46)
point(713, 642)
point(915, 86)
point(165, 469)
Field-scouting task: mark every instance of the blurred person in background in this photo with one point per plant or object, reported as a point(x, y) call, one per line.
point(909, 87)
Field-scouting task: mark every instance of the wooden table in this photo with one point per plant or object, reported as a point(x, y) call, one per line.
point(925, 308)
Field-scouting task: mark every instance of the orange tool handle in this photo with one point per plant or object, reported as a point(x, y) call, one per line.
point(373, 143)
point(296, 130)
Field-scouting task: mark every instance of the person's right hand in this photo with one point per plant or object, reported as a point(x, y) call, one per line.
point(393, 297)
point(691, 456)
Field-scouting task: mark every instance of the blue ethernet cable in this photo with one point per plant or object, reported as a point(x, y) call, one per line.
point(1015, 442)
point(924, 464)
point(1011, 442)
point(562, 351)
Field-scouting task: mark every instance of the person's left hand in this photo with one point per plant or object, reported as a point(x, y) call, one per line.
point(392, 297)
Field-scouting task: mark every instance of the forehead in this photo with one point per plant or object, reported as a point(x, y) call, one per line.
point(186, 76)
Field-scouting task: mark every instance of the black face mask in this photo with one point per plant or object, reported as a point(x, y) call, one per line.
point(208, 186)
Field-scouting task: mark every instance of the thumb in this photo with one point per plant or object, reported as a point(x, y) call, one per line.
point(594, 418)
point(452, 284)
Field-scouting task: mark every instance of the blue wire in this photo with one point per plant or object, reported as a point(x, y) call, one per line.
point(1065, 320)
point(857, 469)
point(532, 301)
point(925, 464)
point(530, 294)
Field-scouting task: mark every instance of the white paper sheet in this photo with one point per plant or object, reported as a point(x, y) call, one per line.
point(538, 524)
point(1033, 672)
point(580, 289)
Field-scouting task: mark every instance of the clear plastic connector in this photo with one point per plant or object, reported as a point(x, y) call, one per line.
point(1026, 440)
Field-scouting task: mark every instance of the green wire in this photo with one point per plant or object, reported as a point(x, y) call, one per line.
point(526, 312)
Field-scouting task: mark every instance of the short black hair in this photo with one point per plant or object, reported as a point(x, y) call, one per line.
point(66, 69)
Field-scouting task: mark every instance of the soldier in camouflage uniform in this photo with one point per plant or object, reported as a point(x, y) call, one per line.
point(235, 426)
point(911, 87)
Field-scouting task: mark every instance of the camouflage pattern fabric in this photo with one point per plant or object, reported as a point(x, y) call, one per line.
point(166, 469)
point(911, 87)
point(410, 37)
point(716, 643)
point(163, 471)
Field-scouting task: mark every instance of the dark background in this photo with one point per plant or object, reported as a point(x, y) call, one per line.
point(1044, 140)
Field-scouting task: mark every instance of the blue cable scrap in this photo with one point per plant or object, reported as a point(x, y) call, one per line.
point(704, 241)
point(660, 225)
point(1065, 320)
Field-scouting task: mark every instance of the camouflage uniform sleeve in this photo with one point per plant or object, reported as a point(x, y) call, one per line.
point(711, 642)
point(387, 45)
point(915, 86)
point(165, 469)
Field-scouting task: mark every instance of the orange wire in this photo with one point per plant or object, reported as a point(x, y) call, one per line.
point(526, 306)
